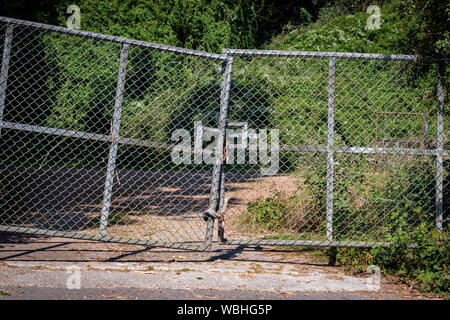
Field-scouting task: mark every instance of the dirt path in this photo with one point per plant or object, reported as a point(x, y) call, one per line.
point(158, 206)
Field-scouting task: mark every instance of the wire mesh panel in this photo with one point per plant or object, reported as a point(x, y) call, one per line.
point(93, 129)
point(265, 183)
point(356, 140)
point(113, 139)
point(160, 192)
point(60, 89)
point(391, 117)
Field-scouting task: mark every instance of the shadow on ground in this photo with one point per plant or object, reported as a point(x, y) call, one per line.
point(20, 247)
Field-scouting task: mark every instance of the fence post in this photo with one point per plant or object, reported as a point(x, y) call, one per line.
point(222, 203)
point(109, 181)
point(330, 146)
point(219, 161)
point(5, 67)
point(440, 146)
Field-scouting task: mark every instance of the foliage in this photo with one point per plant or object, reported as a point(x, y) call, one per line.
point(199, 24)
point(369, 199)
point(346, 33)
point(269, 213)
point(84, 92)
point(427, 29)
point(46, 11)
point(4, 293)
point(425, 265)
point(411, 26)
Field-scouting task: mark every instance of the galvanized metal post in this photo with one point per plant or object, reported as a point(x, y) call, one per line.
point(109, 181)
point(219, 161)
point(330, 146)
point(4, 71)
point(440, 146)
point(221, 222)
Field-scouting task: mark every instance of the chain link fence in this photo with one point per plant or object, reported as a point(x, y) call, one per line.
point(112, 139)
point(359, 143)
point(86, 140)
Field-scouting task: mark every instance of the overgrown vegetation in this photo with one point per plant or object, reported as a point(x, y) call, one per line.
point(411, 26)
point(4, 293)
point(269, 213)
point(425, 266)
point(368, 199)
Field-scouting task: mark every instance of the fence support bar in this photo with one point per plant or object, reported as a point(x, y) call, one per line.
point(312, 243)
point(222, 204)
point(109, 181)
point(5, 67)
point(193, 245)
point(98, 36)
point(330, 145)
point(440, 146)
point(227, 67)
point(168, 146)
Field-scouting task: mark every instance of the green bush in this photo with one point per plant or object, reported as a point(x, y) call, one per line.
point(425, 265)
point(369, 198)
point(83, 76)
point(269, 213)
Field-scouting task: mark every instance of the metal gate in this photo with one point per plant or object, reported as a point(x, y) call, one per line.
point(334, 149)
point(96, 136)
point(118, 140)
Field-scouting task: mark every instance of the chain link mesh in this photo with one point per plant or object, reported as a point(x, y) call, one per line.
point(78, 151)
point(358, 136)
point(120, 140)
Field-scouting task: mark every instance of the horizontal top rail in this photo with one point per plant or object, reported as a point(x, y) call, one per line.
point(319, 54)
point(99, 36)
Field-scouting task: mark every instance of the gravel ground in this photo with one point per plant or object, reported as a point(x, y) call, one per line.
point(37, 268)
point(164, 206)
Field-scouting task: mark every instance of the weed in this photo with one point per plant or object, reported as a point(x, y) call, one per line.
point(4, 293)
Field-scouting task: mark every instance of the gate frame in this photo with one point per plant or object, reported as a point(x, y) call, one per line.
point(114, 138)
point(217, 200)
point(330, 150)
